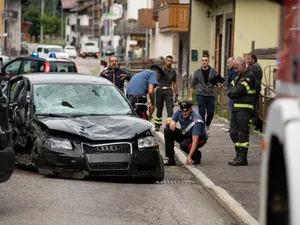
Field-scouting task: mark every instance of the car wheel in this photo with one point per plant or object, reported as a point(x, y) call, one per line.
point(161, 172)
point(5, 177)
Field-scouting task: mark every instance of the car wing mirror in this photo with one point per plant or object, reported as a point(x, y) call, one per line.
point(140, 107)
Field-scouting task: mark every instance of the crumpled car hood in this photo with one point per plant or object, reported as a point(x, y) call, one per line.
point(99, 127)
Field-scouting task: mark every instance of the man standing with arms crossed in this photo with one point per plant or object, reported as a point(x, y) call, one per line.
point(164, 92)
point(204, 90)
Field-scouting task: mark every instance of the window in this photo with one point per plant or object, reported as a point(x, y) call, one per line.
point(13, 68)
point(41, 67)
point(68, 37)
point(46, 50)
point(90, 44)
point(63, 67)
point(40, 49)
point(29, 66)
point(68, 21)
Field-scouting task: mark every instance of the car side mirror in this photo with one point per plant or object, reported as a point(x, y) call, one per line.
point(140, 107)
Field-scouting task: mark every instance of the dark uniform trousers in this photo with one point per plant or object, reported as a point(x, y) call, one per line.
point(163, 95)
point(239, 127)
point(185, 143)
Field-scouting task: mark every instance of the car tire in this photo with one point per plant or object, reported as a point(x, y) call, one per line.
point(5, 177)
point(161, 171)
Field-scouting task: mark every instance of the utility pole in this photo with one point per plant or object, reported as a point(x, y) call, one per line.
point(54, 8)
point(93, 21)
point(42, 16)
point(146, 38)
point(111, 22)
point(62, 23)
point(99, 25)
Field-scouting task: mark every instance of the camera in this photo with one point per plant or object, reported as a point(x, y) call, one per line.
point(110, 72)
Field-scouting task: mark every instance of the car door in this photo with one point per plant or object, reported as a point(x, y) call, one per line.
point(17, 94)
point(10, 70)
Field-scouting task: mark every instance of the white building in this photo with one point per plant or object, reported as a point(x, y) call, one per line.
point(12, 27)
point(127, 27)
point(170, 35)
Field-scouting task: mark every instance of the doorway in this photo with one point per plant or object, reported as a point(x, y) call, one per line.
point(218, 44)
point(228, 44)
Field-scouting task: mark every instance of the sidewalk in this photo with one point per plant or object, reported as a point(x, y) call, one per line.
point(242, 183)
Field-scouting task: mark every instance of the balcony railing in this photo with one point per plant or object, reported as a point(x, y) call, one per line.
point(174, 18)
point(157, 4)
point(145, 20)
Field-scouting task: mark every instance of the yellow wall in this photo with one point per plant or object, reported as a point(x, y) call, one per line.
point(200, 32)
point(256, 21)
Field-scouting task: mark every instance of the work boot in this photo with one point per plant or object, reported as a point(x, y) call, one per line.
point(236, 156)
point(157, 128)
point(241, 158)
point(198, 157)
point(171, 162)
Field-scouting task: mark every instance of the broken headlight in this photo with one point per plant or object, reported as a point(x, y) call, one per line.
point(58, 144)
point(147, 142)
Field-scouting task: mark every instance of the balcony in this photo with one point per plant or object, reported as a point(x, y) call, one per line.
point(157, 4)
point(145, 19)
point(174, 18)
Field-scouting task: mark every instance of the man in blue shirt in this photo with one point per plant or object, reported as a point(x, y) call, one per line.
point(191, 136)
point(143, 83)
point(115, 74)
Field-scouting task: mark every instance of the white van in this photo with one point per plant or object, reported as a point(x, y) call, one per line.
point(45, 50)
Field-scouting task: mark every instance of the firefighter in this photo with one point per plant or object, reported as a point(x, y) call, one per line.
point(164, 92)
point(243, 94)
point(191, 136)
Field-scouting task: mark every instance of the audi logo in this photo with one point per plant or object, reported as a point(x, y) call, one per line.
point(107, 148)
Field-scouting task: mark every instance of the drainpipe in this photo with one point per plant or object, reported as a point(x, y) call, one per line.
point(146, 39)
point(20, 31)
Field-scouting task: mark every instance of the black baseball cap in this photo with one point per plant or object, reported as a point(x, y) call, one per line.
point(185, 105)
point(157, 68)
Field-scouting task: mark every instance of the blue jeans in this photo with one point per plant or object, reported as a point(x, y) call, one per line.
point(206, 104)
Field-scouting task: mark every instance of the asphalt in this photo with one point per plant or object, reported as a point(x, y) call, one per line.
point(235, 188)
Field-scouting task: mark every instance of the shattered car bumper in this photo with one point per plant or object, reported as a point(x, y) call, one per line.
point(118, 160)
point(7, 164)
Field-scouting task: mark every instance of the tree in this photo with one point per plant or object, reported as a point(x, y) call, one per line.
point(33, 14)
point(51, 24)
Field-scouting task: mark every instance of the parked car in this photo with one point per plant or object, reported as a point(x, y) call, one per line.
point(45, 50)
point(62, 134)
point(23, 65)
point(7, 155)
point(89, 48)
point(3, 60)
point(71, 51)
point(108, 50)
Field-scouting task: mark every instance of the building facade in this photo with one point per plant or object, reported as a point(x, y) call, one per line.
point(224, 28)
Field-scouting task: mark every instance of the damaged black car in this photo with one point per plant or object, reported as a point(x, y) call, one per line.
point(76, 126)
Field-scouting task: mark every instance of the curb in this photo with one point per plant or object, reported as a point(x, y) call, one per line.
point(235, 209)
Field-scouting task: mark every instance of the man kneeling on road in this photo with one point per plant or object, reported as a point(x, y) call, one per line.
point(191, 136)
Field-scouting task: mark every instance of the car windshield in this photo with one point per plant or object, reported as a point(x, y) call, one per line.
point(90, 44)
point(56, 49)
point(79, 100)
